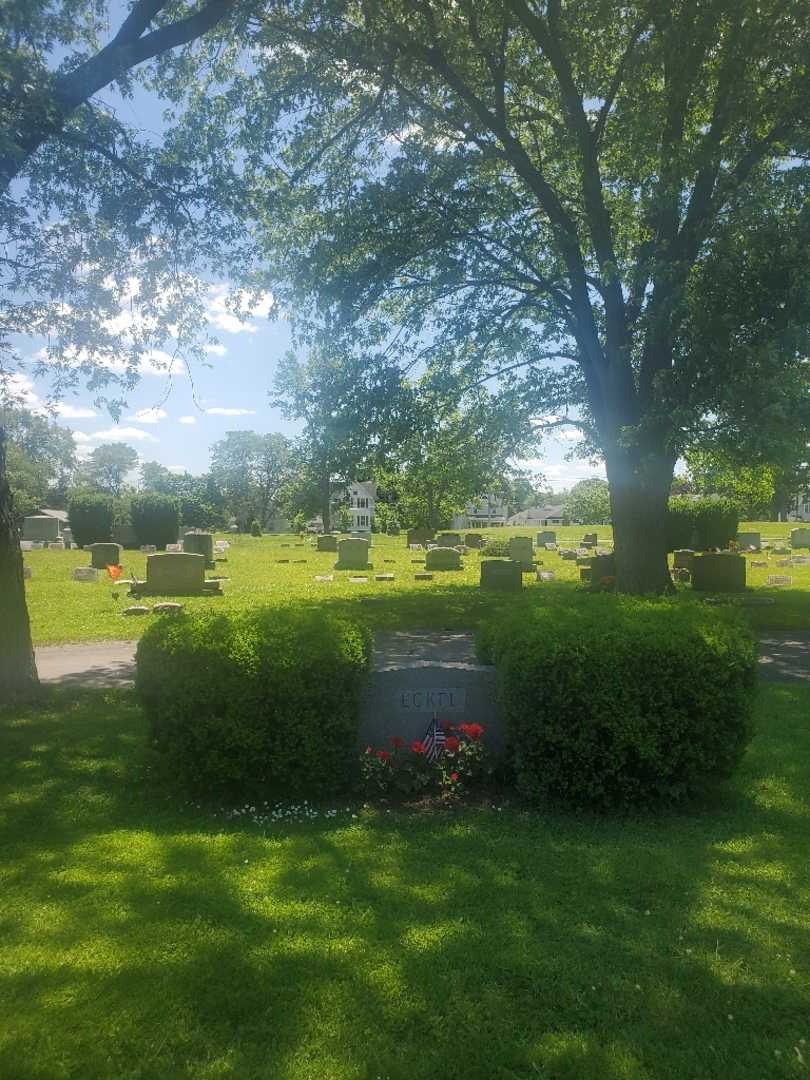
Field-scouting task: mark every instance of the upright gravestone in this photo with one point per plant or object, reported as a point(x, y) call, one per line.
point(749, 540)
point(200, 543)
point(26, 573)
point(326, 542)
point(449, 539)
point(602, 567)
point(473, 540)
point(442, 558)
point(520, 550)
point(40, 527)
point(67, 535)
point(352, 554)
point(683, 559)
point(800, 538)
point(104, 555)
point(718, 572)
point(172, 573)
point(547, 536)
point(419, 536)
point(590, 540)
point(503, 575)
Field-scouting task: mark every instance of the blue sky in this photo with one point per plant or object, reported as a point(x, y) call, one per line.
point(176, 423)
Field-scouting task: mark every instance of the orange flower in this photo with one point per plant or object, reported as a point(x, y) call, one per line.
point(115, 572)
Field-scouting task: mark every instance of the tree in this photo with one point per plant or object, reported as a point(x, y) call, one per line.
point(560, 193)
point(107, 466)
point(252, 471)
point(589, 502)
point(90, 217)
point(202, 505)
point(41, 459)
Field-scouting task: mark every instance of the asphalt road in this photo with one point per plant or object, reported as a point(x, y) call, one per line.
point(783, 658)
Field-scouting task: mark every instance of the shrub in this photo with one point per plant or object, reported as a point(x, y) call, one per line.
point(155, 518)
point(621, 702)
point(255, 528)
point(496, 549)
point(701, 523)
point(91, 517)
point(265, 700)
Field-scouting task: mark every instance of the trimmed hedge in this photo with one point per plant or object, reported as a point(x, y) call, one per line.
point(496, 549)
point(91, 517)
point(155, 518)
point(701, 523)
point(262, 701)
point(622, 702)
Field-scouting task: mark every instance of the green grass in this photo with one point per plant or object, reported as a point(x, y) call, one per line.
point(142, 938)
point(64, 610)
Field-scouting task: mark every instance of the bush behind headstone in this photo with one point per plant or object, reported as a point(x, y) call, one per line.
point(266, 700)
point(618, 702)
point(91, 517)
point(155, 518)
point(701, 523)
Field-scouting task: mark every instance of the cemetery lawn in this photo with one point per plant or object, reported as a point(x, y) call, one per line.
point(143, 938)
point(63, 610)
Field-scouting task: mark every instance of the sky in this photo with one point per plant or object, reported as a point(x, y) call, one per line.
point(176, 421)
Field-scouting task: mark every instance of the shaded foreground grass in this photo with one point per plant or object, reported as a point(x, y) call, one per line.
point(141, 937)
point(64, 610)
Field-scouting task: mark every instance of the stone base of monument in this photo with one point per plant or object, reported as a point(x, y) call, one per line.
point(415, 676)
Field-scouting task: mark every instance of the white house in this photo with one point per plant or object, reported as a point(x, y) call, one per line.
point(540, 516)
point(800, 511)
point(359, 497)
point(485, 512)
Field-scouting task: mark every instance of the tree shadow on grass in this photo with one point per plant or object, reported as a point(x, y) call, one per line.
point(140, 938)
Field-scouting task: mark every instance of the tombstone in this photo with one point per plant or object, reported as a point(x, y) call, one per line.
point(442, 558)
point(67, 535)
point(167, 609)
point(602, 566)
point(474, 540)
point(37, 545)
point(784, 562)
point(324, 577)
point(358, 580)
point(503, 575)
point(550, 547)
point(800, 560)
point(148, 549)
point(520, 551)
point(583, 560)
point(800, 538)
point(26, 573)
point(136, 609)
point(352, 554)
point(716, 572)
point(568, 555)
point(682, 575)
point(585, 575)
point(546, 575)
point(683, 559)
point(326, 542)
point(383, 577)
point(26, 545)
point(125, 536)
point(590, 540)
point(779, 579)
point(418, 536)
point(548, 536)
point(423, 577)
point(85, 573)
point(104, 555)
point(200, 543)
point(758, 564)
point(56, 545)
point(40, 527)
point(171, 573)
point(174, 548)
point(233, 529)
point(749, 540)
point(449, 539)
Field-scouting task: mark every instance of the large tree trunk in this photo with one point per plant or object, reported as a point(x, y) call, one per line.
point(326, 506)
point(18, 671)
point(639, 495)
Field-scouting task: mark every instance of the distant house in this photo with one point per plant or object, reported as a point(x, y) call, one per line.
point(484, 512)
point(359, 497)
point(540, 516)
point(800, 511)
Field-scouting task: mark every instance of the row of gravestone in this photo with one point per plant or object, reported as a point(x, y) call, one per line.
point(169, 573)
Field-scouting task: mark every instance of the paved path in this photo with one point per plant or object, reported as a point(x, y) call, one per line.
point(783, 658)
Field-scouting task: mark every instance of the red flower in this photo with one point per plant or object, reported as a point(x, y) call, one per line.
point(418, 747)
point(383, 755)
point(452, 744)
point(472, 731)
point(115, 572)
point(446, 726)
point(453, 777)
point(369, 749)
point(397, 742)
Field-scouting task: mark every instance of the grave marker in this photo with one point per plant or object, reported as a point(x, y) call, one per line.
point(352, 554)
point(85, 573)
point(520, 551)
point(104, 555)
point(442, 558)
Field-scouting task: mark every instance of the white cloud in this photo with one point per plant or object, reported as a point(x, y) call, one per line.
point(178, 470)
point(81, 437)
point(217, 350)
point(221, 313)
point(18, 389)
point(231, 412)
point(188, 419)
point(73, 412)
point(149, 416)
point(123, 434)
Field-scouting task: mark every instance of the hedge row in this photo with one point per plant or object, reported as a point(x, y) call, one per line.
point(618, 702)
point(701, 524)
point(265, 700)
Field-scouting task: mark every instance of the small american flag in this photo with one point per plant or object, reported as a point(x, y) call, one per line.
point(433, 740)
